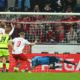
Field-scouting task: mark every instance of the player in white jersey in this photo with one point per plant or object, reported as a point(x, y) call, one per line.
point(5, 27)
point(18, 45)
point(2, 30)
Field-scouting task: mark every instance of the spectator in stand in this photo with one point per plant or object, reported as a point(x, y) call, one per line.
point(11, 5)
point(59, 6)
point(33, 3)
point(36, 8)
point(18, 29)
point(47, 8)
point(68, 9)
point(72, 35)
point(3, 5)
point(50, 35)
point(19, 5)
point(78, 32)
point(59, 32)
point(27, 5)
point(71, 3)
point(42, 33)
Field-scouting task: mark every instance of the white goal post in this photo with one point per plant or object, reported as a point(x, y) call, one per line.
point(39, 13)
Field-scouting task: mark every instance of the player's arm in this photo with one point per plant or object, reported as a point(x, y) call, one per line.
point(12, 30)
point(10, 43)
point(31, 44)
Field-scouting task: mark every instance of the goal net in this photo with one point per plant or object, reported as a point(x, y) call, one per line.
point(46, 28)
point(56, 28)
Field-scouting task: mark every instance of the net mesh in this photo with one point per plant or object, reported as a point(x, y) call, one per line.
point(57, 29)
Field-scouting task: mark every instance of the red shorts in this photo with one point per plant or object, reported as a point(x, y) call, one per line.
point(19, 57)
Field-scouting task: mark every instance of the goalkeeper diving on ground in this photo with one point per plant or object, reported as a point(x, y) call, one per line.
point(48, 60)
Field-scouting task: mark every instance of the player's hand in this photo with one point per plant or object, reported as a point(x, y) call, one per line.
point(35, 41)
point(29, 60)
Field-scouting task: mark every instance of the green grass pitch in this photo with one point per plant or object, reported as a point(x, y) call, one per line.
point(39, 76)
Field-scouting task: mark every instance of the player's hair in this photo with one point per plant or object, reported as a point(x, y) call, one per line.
point(8, 24)
point(1, 24)
point(21, 33)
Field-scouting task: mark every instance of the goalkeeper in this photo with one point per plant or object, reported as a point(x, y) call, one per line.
point(48, 60)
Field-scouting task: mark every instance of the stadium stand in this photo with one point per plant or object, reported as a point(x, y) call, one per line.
point(50, 31)
point(40, 5)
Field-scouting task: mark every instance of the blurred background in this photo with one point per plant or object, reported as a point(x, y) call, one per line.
point(40, 5)
point(54, 33)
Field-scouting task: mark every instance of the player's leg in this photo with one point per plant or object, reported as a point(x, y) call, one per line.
point(34, 62)
point(18, 58)
point(5, 60)
point(68, 62)
point(52, 61)
point(16, 68)
point(1, 64)
point(24, 58)
point(65, 61)
point(17, 64)
point(33, 65)
point(4, 64)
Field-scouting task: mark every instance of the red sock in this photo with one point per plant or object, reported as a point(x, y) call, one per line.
point(28, 65)
point(4, 66)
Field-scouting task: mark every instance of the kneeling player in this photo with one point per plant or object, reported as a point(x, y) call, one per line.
point(48, 60)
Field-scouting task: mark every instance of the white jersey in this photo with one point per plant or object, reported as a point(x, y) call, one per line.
point(2, 31)
point(19, 44)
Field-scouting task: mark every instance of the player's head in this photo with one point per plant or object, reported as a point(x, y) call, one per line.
point(8, 27)
point(2, 24)
point(22, 34)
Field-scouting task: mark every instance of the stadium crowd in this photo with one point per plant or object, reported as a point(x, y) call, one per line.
point(40, 5)
point(50, 32)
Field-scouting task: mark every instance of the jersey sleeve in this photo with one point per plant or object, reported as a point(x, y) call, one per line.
point(13, 40)
point(27, 42)
point(11, 32)
point(2, 31)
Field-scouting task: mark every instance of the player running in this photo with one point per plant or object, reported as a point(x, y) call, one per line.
point(4, 53)
point(48, 60)
point(18, 45)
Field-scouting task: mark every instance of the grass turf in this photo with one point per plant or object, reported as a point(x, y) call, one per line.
point(39, 76)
